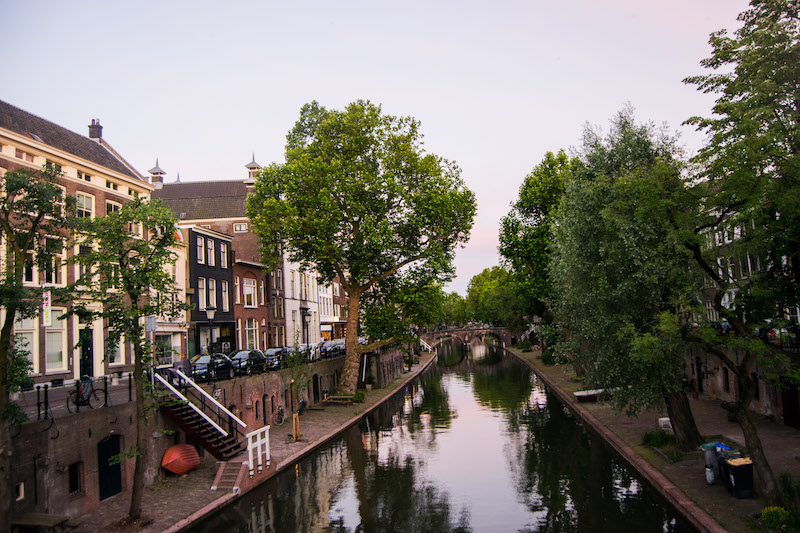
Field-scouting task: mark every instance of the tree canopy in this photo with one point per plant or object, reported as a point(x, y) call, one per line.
point(358, 198)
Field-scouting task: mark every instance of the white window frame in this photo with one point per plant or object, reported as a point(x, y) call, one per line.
point(212, 293)
point(120, 350)
point(201, 294)
point(250, 283)
point(201, 250)
point(226, 299)
point(237, 299)
point(223, 255)
point(251, 334)
point(210, 261)
point(62, 264)
point(116, 206)
point(81, 208)
point(240, 227)
point(261, 292)
point(29, 328)
point(58, 326)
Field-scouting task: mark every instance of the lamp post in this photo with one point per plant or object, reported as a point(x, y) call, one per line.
point(210, 312)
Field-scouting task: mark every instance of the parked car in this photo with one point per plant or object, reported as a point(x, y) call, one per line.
point(213, 366)
point(328, 349)
point(249, 362)
point(274, 358)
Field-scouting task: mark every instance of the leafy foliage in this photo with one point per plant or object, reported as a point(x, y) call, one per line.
point(359, 198)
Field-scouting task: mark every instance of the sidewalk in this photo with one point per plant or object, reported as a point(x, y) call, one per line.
point(176, 502)
point(781, 445)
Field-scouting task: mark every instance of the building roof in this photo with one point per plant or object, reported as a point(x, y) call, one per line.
point(21, 122)
point(202, 200)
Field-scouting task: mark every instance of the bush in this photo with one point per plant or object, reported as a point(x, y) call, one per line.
point(775, 518)
point(359, 396)
point(548, 358)
point(658, 439)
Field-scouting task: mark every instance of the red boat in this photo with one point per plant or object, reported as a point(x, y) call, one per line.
point(180, 459)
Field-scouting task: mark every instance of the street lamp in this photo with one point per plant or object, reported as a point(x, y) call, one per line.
point(210, 312)
point(305, 313)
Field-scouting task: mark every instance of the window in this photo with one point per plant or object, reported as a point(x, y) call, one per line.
point(26, 339)
point(225, 296)
point(240, 227)
point(239, 331)
point(83, 251)
point(210, 246)
point(212, 293)
point(280, 307)
point(223, 255)
point(201, 251)
point(280, 280)
point(261, 292)
point(19, 491)
point(56, 339)
point(111, 185)
point(112, 207)
point(114, 354)
point(201, 294)
point(236, 297)
point(251, 334)
point(85, 205)
point(52, 166)
point(24, 155)
point(29, 273)
point(274, 307)
point(75, 479)
point(249, 292)
point(282, 336)
point(86, 177)
point(54, 271)
point(337, 310)
point(291, 284)
point(726, 383)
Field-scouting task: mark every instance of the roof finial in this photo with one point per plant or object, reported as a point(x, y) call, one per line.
point(178, 179)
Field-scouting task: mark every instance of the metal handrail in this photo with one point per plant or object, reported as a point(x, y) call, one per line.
point(425, 345)
point(190, 404)
point(191, 382)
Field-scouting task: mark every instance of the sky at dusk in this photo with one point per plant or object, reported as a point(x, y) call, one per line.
point(203, 85)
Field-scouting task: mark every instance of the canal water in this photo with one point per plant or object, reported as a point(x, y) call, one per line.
point(474, 444)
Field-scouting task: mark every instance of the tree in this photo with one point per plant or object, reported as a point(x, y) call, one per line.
point(359, 198)
point(32, 207)
point(492, 299)
point(748, 235)
point(125, 278)
point(454, 309)
point(526, 231)
point(625, 282)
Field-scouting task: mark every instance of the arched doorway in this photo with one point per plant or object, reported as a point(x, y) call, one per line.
point(315, 382)
point(110, 476)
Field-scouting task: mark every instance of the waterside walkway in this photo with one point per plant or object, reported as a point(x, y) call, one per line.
point(683, 484)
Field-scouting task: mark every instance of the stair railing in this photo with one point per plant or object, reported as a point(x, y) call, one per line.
point(425, 345)
point(177, 393)
point(186, 379)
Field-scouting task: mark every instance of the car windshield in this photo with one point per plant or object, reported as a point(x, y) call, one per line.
point(274, 351)
point(241, 355)
point(203, 359)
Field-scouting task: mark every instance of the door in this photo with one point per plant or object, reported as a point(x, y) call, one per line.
point(110, 476)
point(790, 398)
point(316, 388)
point(87, 352)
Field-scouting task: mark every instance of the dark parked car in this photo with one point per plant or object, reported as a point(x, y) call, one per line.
point(212, 366)
point(249, 362)
point(274, 357)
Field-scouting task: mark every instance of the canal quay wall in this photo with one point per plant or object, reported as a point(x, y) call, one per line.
point(682, 484)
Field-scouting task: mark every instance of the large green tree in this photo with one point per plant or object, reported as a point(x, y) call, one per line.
point(747, 240)
point(126, 276)
point(493, 298)
point(526, 231)
point(33, 210)
point(618, 268)
point(359, 198)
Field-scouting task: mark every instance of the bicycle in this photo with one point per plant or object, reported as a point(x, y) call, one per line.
point(279, 418)
point(85, 395)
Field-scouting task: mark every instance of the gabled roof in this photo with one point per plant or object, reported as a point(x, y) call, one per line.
point(202, 200)
point(23, 123)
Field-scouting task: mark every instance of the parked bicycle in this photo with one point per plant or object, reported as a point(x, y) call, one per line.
point(85, 394)
point(279, 418)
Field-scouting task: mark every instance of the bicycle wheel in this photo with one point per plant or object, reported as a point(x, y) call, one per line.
point(279, 419)
point(72, 403)
point(97, 399)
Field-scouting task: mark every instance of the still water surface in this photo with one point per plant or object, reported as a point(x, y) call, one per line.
point(474, 444)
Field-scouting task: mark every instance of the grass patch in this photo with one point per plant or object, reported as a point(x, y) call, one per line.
point(664, 443)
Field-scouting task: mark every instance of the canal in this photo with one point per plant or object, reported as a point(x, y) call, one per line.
point(475, 443)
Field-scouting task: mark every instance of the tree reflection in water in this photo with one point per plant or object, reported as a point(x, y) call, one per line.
point(474, 444)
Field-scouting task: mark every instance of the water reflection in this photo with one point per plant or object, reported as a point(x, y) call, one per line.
point(475, 444)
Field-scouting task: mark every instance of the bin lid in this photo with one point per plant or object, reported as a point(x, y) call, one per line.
point(709, 445)
point(721, 447)
point(740, 461)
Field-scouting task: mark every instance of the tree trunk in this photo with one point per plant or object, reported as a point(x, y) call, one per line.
point(687, 436)
point(352, 358)
point(6, 482)
point(769, 485)
point(137, 491)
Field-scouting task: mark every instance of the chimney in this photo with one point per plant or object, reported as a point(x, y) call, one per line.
point(95, 129)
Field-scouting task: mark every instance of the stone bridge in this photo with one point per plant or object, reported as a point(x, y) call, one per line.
point(467, 335)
